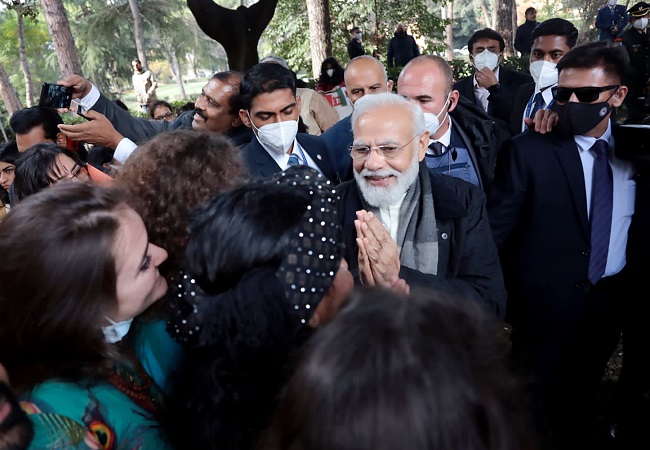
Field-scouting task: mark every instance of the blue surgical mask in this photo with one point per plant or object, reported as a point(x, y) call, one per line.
point(116, 331)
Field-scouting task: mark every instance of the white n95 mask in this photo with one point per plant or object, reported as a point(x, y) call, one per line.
point(544, 73)
point(277, 137)
point(431, 121)
point(486, 59)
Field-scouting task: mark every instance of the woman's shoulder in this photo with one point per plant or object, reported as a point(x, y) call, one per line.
point(74, 416)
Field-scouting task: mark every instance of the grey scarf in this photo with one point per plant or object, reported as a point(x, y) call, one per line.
point(417, 233)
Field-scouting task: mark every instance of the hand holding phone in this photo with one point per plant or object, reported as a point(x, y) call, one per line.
point(55, 96)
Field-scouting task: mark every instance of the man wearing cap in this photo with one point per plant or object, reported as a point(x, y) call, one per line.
point(635, 41)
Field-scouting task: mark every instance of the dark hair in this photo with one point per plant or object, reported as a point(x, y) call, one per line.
point(189, 106)
point(24, 120)
point(485, 33)
point(98, 155)
point(248, 217)
point(172, 174)
point(557, 27)
point(136, 60)
point(355, 29)
point(337, 76)
point(612, 57)
point(420, 372)
point(233, 78)
point(232, 311)
point(59, 280)
point(529, 9)
point(156, 104)
point(264, 78)
point(121, 104)
point(9, 152)
point(36, 167)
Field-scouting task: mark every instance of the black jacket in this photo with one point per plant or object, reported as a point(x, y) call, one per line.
point(524, 38)
point(355, 48)
point(468, 261)
point(402, 49)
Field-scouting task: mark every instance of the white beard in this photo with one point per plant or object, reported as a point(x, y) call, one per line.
point(384, 197)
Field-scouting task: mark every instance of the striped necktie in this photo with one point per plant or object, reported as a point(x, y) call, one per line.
point(602, 196)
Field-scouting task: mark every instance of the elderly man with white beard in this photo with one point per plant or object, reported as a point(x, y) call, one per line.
point(403, 222)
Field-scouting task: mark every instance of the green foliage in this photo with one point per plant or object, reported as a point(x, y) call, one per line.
point(288, 33)
point(461, 68)
point(37, 46)
point(517, 63)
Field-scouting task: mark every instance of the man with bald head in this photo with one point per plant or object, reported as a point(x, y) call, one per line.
point(464, 140)
point(402, 223)
point(363, 75)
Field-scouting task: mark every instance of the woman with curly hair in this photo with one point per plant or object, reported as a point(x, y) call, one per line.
point(165, 179)
point(331, 75)
point(170, 175)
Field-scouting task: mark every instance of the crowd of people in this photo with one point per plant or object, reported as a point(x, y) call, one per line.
point(450, 266)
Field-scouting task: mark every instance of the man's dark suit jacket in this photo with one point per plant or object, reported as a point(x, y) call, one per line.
point(519, 103)
point(561, 323)
point(261, 164)
point(501, 98)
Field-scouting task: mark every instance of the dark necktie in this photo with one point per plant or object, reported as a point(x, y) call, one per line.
point(602, 194)
point(538, 101)
point(294, 160)
point(437, 148)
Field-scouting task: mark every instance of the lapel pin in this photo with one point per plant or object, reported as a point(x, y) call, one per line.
point(319, 157)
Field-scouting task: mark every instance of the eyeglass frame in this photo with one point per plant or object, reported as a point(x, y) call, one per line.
point(74, 173)
point(597, 89)
point(165, 116)
point(380, 152)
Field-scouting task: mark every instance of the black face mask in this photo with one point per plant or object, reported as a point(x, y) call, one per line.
point(575, 118)
point(401, 33)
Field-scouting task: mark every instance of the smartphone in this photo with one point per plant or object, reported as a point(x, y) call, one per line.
point(55, 96)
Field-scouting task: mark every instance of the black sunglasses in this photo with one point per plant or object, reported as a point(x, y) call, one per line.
point(585, 94)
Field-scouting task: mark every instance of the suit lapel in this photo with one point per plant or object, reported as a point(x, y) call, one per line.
point(320, 156)
point(264, 164)
point(567, 153)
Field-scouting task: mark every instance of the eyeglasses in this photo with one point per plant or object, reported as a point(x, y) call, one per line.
point(361, 152)
point(74, 173)
point(169, 115)
point(585, 94)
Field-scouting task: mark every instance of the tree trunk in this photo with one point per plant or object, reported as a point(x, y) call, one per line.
point(504, 24)
point(486, 15)
point(238, 31)
point(138, 31)
point(448, 13)
point(179, 74)
point(59, 27)
point(320, 35)
point(24, 65)
point(8, 94)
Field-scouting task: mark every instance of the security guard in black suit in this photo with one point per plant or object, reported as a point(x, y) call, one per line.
point(636, 41)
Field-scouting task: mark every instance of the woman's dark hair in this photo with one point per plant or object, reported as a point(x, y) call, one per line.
point(249, 218)
point(36, 168)
point(156, 104)
point(58, 282)
point(427, 371)
point(172, 174)
point(337, 76)
point(8, 154)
